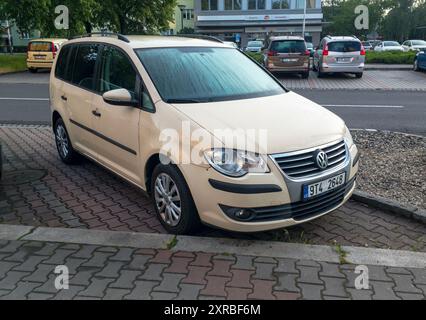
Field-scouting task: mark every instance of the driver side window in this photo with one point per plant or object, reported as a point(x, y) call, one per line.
point(116, 72)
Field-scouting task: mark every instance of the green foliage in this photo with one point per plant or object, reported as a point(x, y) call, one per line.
point(391, 57)
point(187, 30)
point(256, 56)
point(12, 63)
point(124, 16)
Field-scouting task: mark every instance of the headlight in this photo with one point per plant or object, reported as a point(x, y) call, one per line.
point(236, 163)
point(348, 138)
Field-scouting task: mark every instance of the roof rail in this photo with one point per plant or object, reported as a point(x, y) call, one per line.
point(104, 34)
point(199, 36)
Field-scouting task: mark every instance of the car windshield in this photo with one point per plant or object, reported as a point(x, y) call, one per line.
point(419, 43)
point(40, 46)
point(344, 46)
point(288, 46)
point(255, 44)
point(391, 44)
point(309, 45)
point(199, 74)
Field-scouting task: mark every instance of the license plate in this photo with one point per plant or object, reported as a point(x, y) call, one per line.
point(343, 60)
point(290, 60)
point(316, 189)
point(39, 57)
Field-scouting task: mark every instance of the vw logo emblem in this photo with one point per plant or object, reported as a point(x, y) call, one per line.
point(322, 160)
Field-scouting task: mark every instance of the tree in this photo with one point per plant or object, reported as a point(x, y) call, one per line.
point(136, 16)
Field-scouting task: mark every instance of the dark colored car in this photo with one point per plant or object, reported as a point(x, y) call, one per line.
point(420, 61)
point(287, 54)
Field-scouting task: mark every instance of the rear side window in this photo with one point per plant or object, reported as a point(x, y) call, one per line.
point(84, 66)
point(289, 46)
point(344, 46)
point(63, 62)
point(40, 46)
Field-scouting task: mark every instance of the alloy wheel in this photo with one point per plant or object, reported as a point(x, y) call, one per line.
point(62, 141)
point(168, 200)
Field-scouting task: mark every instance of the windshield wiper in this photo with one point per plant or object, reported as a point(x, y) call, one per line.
point(186, 101)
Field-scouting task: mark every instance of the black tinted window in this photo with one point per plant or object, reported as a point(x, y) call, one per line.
point(84, 67)
point(289, 46)
point(61, 65)
point(344, 46)
point(117, 72)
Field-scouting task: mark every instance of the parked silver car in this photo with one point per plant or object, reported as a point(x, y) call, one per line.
point(340, 55)
point(254, 46)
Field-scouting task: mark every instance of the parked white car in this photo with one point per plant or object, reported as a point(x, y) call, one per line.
point(414, 45)
point(254, 46)
point(388, 46)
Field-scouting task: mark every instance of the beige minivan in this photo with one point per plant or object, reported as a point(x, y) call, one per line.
point(208, 133)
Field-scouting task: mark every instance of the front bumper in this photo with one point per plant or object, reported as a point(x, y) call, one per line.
point(279, 205)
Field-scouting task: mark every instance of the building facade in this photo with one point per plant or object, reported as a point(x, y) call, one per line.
point(10, 36)
point(244, 20)
point(183, 17)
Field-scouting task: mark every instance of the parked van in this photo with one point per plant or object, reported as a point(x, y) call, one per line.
point(123, 101)
point(42, 52)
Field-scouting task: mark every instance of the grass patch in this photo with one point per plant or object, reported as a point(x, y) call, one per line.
point(172, 243)
point(12, 63)
point(256, 56)
point(342, 254)
point(391, 57)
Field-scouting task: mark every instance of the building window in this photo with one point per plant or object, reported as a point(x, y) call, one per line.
point(209, 5)
point(188, 14)
point(233, 4)
point(256, 4)
point(311, 4)
point(280, 4)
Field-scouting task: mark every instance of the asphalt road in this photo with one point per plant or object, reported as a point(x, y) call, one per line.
point(402, 111)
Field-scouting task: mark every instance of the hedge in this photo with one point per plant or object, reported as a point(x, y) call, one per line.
point(390, 57)
point(12, 63)
point(256, 56)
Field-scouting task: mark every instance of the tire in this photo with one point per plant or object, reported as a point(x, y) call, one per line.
point(314, 68)
point(33, 70)
point(359, 75)
point(416, 65)
point(63, 144)
point(320, 73)
point(188, 220)
point(305, 75)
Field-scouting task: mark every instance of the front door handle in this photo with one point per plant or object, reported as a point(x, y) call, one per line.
point(96, 113)
point(64, 98)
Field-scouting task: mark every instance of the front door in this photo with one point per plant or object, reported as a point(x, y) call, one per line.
point(117, 127)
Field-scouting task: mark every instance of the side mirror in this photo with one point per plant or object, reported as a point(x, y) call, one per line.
point(120, 97)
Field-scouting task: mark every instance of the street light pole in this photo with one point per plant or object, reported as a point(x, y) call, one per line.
point(181, 7)
point(304, 19)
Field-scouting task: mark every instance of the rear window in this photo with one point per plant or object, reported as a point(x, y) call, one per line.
point(391, 44)
point(255, 44)
point(40, 46)
point(344, 46)
point(289, 46)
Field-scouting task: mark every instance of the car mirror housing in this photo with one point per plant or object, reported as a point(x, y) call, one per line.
point(120, 97)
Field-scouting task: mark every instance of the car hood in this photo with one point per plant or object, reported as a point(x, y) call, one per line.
point(288, 122)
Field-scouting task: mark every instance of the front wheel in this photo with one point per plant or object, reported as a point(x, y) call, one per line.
point(174, 205)
point(63, 143)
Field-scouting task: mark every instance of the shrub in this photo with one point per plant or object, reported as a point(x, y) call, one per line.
point(390, 57)
point(12, 63)
point(256, 56)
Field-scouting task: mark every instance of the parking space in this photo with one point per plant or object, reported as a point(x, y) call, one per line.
point(39, 190)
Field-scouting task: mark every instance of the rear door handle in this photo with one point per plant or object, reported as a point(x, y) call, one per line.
point(96, 114)
point(64, 98)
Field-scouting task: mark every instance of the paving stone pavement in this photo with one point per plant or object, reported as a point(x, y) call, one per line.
point(27, 271)
point(87, 196)
point(372, 79)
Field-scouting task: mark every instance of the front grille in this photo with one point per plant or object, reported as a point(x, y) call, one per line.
point(303, 210)
point(304, 164)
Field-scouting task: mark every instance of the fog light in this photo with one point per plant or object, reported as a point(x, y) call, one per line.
point(238, 213)
point(243, 214)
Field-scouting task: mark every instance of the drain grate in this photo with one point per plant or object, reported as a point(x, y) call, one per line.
point(22, 177)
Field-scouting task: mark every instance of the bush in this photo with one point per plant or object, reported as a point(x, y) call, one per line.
point(256, 56)
point(390, 57)
point(12, 63)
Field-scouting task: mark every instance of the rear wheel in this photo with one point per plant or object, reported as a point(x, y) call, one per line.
point(320, 73)
point(416, 65)
point(33, 70)
point(63, 143)
point(174, 205)
point(305, 75)
point(359, 75)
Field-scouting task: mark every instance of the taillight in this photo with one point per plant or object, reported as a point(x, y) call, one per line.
point(307, 53)
point(272, 53)
point(53, 50)
point(325, 51)
point(362, 51)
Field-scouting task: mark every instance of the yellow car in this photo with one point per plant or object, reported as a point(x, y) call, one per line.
point(42, 52)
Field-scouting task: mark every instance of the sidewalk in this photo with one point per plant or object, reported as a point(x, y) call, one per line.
point(120, 265)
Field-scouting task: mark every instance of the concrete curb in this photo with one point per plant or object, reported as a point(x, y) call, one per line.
point(390, 206)
point(352, 255)
point(384, 68)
